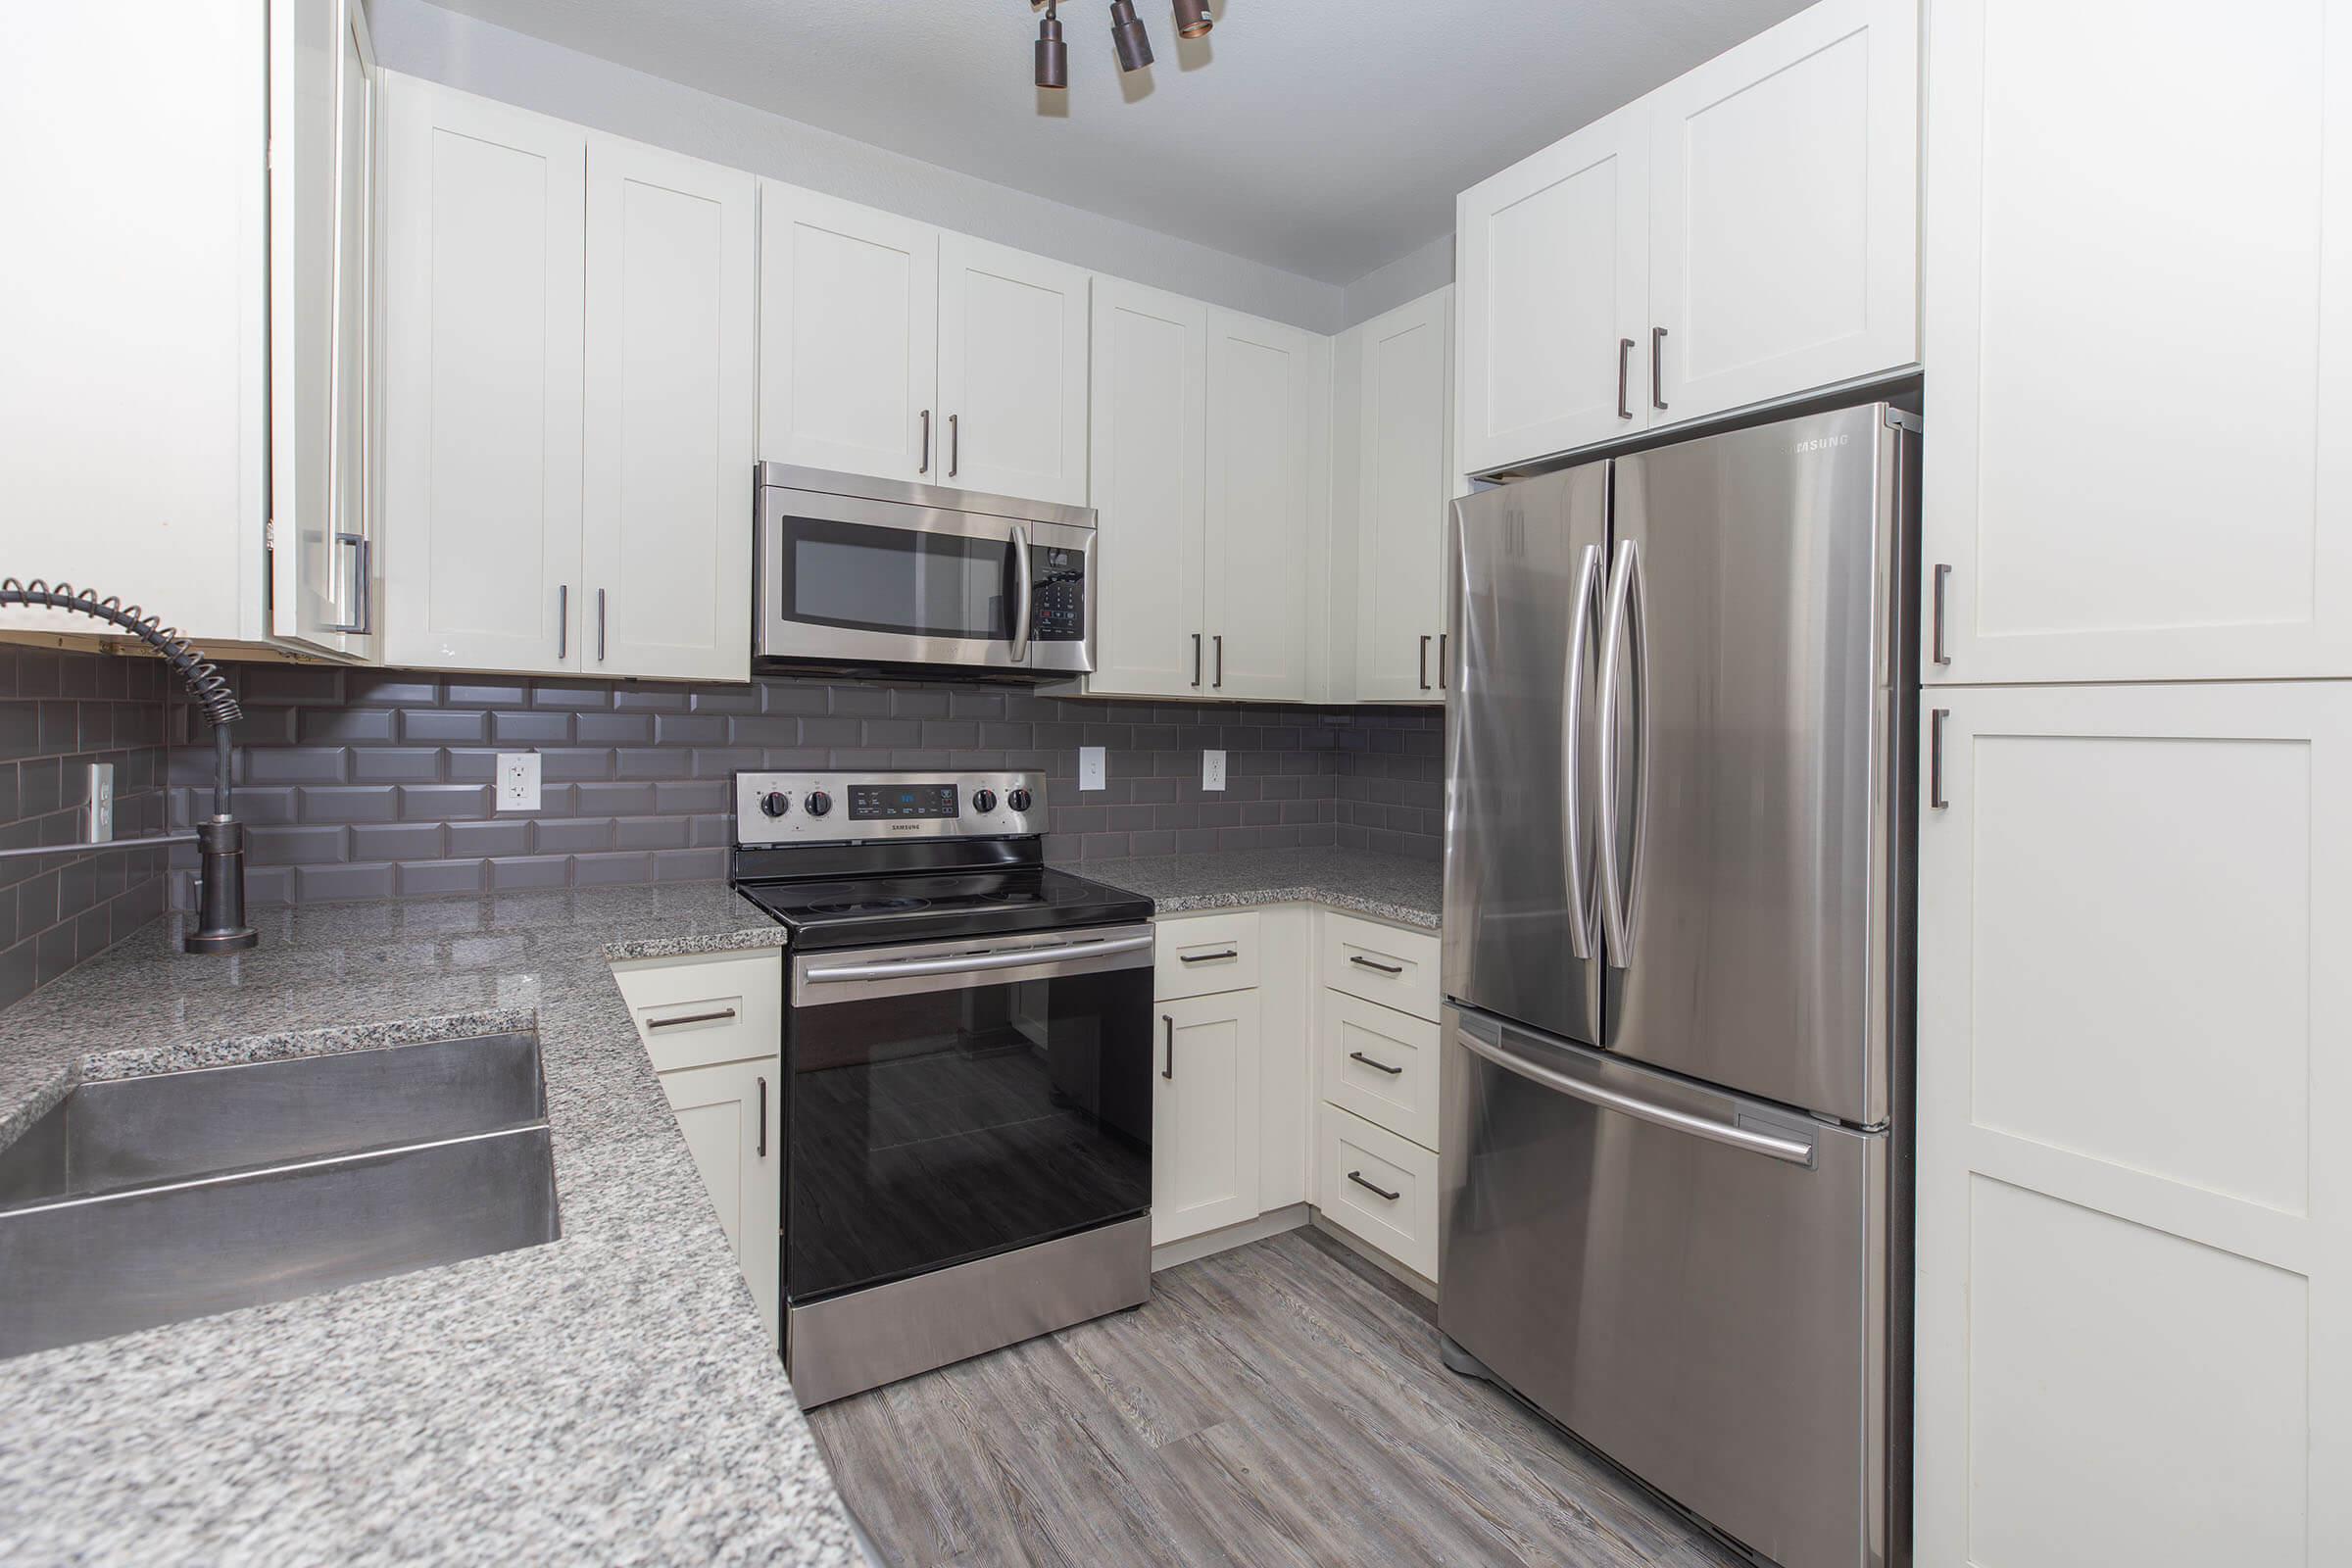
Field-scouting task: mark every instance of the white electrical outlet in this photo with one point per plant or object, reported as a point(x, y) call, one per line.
point(1090, 767)
point(1213, 771)
point(101, 824)
point(518, 781)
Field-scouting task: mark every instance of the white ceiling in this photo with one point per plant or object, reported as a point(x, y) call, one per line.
point(1325, 138)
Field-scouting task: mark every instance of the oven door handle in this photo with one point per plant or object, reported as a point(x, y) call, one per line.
point(966, 962)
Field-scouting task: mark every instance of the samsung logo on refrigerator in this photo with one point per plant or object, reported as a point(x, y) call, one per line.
point(1822, 443)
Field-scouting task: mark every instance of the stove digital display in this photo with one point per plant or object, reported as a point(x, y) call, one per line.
point(876, 803)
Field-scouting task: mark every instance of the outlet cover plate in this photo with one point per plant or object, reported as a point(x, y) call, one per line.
point(1213, 771)
point(518, 781)
point(99, 827)
point(1090, 767)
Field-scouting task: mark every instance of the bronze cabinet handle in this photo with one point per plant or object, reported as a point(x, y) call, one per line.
point(1382, 1066)
point(690, 1017)
point(1657, 366)
point(1625, 353)
point(1169, 1072)
point(1206, 958)
point(1358, 1177)
point(1384, 969)
point(925, 465)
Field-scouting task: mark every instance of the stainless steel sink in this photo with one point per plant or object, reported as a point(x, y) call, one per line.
point(147, 1201)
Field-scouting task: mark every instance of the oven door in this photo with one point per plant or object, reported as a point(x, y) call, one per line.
point(861, 579)
point(948, 1100)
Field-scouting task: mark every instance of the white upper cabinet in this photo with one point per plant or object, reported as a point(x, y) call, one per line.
point(324, 119)
point(849, 337)
point(1746, 233)
point(669, 414)
point(1148, 487)
point(1012, 371)
point(1549, 259)
point(1404, 437)
point(1269, 441)
point(1784, 212)
point(484, 209)
point(2139, 324)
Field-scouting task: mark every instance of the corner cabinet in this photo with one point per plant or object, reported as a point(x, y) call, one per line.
point(1212, 442)
point(1743, 234)
point(2142, 380)
point(543, 284)
point(893, 349)
point(712, 1025)
point(1394, 403)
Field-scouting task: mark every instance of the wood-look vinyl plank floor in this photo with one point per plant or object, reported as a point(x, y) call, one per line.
point(1281, 1406)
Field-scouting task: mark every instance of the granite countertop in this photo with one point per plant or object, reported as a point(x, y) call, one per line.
point(610, 1397)
point(1386, 887)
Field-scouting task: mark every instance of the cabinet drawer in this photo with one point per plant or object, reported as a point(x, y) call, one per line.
point(1380, 1063)
point(1199, 954)
point(707, 1009)
point(1357, 1165)
point(1382, 964)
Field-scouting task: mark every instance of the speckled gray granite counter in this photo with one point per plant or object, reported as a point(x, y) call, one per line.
point(609, 1397)
point(1387, 887)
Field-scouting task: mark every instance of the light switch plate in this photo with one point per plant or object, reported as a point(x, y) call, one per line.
point(1090, 767)
point(518, 781)
point(100, 825)
point(1213, 771)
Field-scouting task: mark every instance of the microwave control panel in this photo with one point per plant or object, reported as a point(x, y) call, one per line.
point(1057, 596)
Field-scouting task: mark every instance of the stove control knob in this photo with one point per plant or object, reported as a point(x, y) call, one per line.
point(984, 800)
point(1018, 799)
point(775, 803)
point(818, 802)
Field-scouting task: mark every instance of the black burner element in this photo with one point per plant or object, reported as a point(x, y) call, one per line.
point(870, 906)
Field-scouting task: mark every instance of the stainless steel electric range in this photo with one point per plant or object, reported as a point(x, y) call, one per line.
point(967, 1071)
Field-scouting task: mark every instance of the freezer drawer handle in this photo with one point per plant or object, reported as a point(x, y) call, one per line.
point(1206, 958)
point(1358, 1177)
point(1384, 969)
point(1376, 1067)
point(1789, 1150)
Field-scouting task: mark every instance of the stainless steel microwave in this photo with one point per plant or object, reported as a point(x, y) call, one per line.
point(856, 573)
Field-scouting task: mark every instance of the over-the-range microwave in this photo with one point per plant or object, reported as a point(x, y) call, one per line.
point(854, 574)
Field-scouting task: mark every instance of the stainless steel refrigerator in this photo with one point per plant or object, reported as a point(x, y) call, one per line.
point(1675, 1187)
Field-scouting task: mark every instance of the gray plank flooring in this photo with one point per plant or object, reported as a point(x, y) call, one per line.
point(1281, 1406)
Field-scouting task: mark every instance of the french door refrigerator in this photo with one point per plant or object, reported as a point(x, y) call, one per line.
point(1674, 1186)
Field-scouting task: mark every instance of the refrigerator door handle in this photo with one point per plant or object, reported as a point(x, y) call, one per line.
point(1572, 724)
point(1620, 886)
point(1787, 1149)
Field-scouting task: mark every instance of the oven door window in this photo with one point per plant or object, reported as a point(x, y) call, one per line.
point(903, 581)
point(932, 1129)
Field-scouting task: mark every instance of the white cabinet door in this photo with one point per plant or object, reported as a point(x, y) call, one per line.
point(729, 1114)
point(849, 337)
point(1553, 265)
point(1784, 212)
point(1404, 465)
point(1013, 364)
point(1204, 1134)
point(1269, 445)
point(483, 213)
point(669, 416)
point(1147, 481)
point(2140, 327)
point(323, 132)
point(2135, 1304)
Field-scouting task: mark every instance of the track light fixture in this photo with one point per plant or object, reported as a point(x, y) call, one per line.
point(1052, 54)
point(1193, 19)
point(1127, 32)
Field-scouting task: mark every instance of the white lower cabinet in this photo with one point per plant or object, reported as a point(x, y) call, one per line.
point(712, 1025)
point(1205, 1104)
point(2134, 1249)
point(1379, 1063)
point(1378, 1187)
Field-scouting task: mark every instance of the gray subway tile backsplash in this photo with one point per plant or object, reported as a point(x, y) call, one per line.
point(372, 783)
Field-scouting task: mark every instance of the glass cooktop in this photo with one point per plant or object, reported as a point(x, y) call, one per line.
point(916, 908)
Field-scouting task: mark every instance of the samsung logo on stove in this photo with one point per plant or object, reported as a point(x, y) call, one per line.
point(1822, 443)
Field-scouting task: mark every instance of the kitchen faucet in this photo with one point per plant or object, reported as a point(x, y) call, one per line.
point(219, 838)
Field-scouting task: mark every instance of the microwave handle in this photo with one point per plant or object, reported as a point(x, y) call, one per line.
point(1024, 603)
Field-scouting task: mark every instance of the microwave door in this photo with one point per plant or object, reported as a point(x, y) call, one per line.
point(851, 579)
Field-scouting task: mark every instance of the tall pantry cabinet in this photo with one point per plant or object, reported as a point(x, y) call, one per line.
point(2134, 1000)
